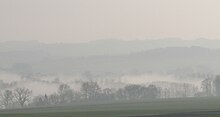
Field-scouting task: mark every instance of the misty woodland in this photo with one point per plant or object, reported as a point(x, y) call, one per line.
point(91, 91)
point(35, 74)
point(109, 58)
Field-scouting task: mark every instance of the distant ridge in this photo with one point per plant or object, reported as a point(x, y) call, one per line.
point(103, 47)
point(114, 56)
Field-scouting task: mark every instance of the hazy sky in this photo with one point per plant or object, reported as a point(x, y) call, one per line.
point(85, 20)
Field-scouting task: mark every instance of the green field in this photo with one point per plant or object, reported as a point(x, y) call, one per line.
point(121, 108)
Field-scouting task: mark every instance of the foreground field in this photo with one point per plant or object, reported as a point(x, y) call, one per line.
point(206, 107)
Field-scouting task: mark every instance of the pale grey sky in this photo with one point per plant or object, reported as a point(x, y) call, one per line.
point(86, 20)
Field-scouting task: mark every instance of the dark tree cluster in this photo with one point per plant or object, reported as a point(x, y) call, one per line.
point(91, 91)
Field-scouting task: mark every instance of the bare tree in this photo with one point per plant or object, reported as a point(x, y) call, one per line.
point(7, 98)
point(38, 100)
point(217, 85)
point(90, 90)
point(62, 88)
point(66, 94)
point(22, 95)
point(207, 86)
point(134, 91)
point(54, 99)
point(41, 100)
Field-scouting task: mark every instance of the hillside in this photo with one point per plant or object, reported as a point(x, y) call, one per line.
point(111, 56)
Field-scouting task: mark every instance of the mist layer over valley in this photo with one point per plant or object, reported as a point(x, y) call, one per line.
point(115, 58)
point(111, 63)
point(34, 74)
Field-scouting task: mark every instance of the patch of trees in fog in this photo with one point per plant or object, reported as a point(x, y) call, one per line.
point(15, 98)
point(90, 91)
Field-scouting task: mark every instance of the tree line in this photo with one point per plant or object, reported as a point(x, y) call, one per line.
point(90, 91)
